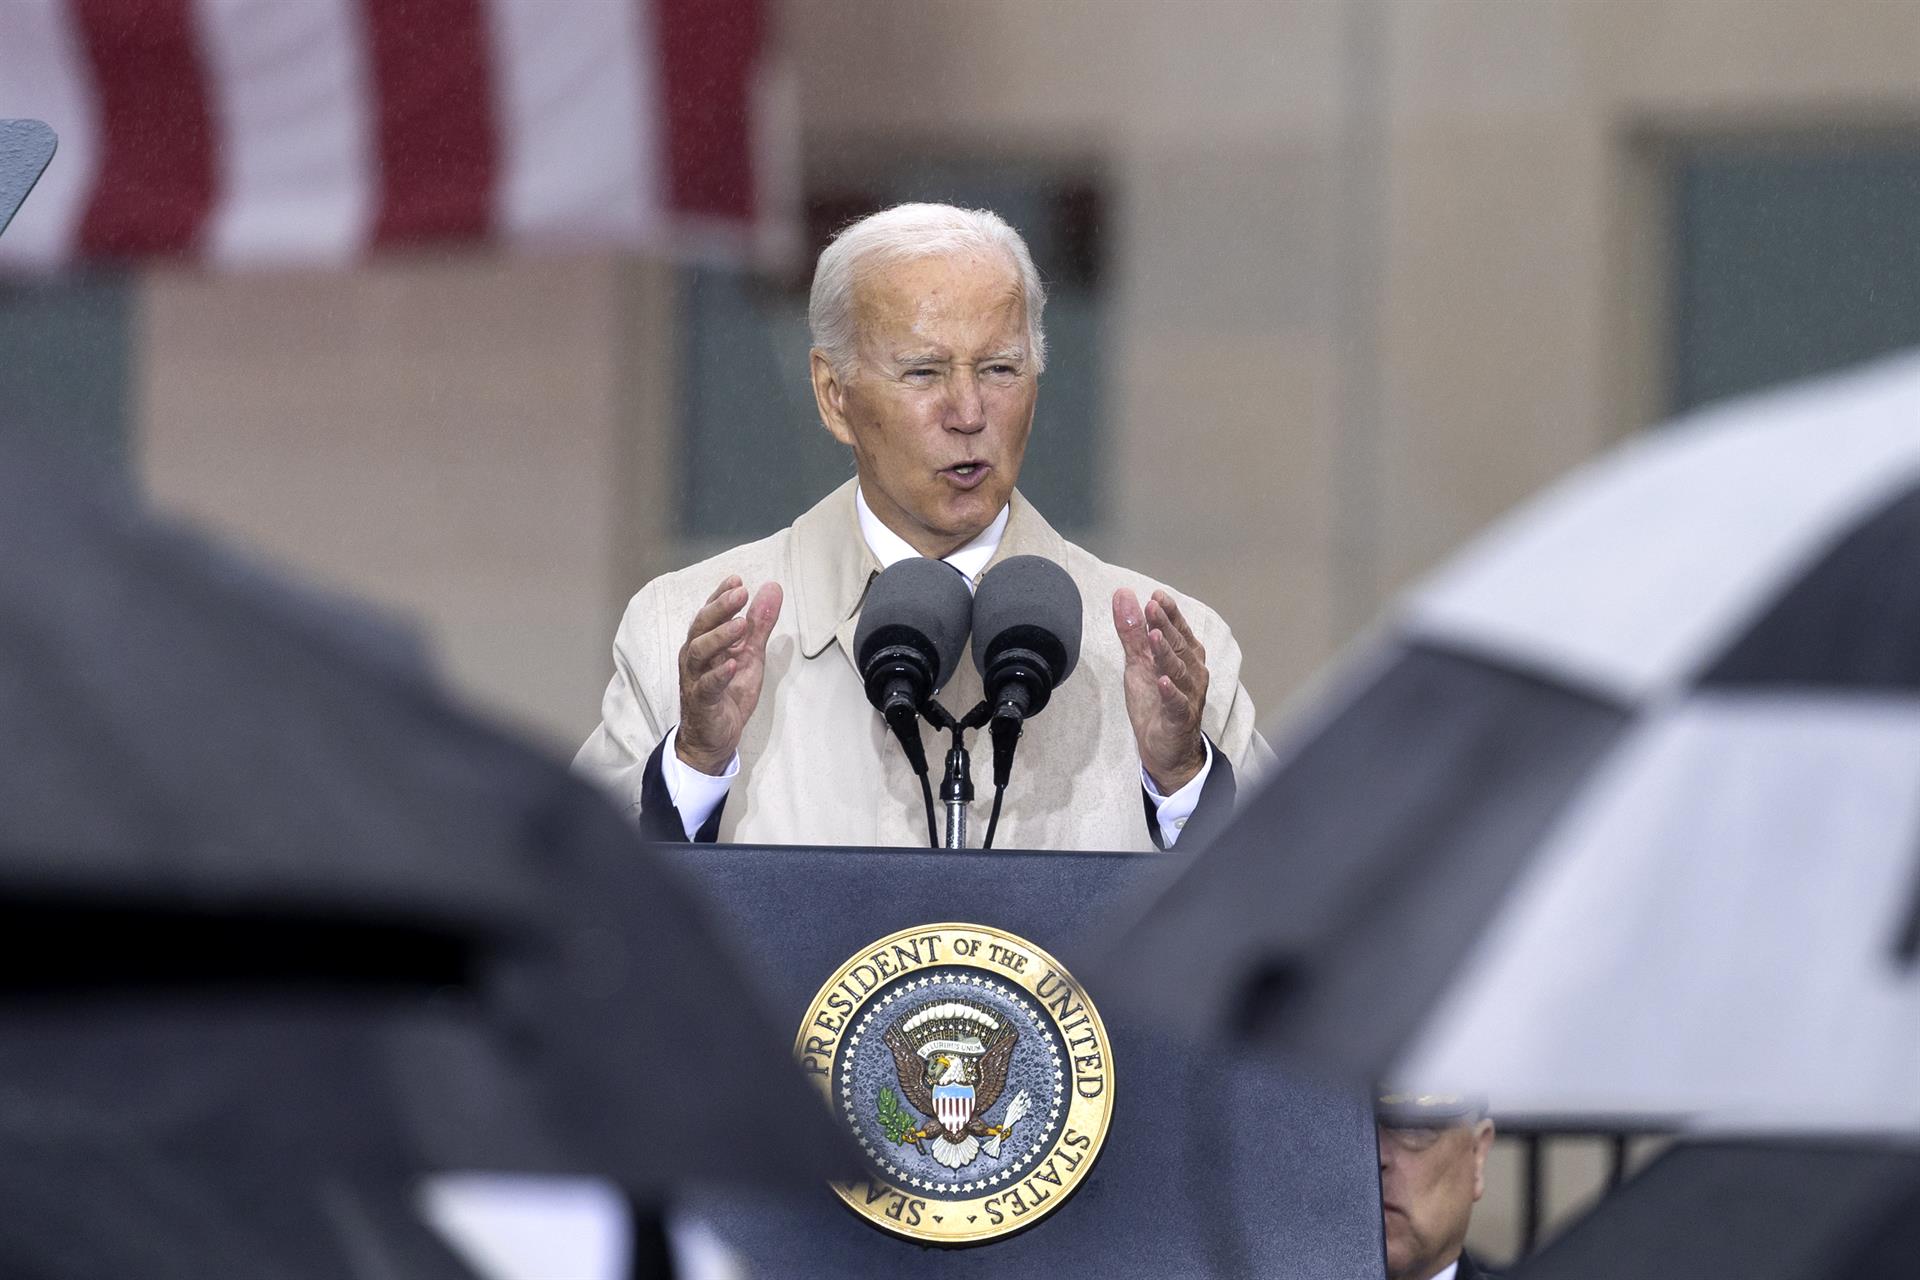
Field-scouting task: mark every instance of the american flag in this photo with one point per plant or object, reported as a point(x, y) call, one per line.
point(271, 132)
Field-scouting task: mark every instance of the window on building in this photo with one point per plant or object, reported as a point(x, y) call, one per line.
point(66, 365)
point(1792, 258)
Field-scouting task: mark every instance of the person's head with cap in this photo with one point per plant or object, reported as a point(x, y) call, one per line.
point(1433, 1156)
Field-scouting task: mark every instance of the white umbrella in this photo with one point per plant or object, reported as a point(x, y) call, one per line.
point(1621, 817)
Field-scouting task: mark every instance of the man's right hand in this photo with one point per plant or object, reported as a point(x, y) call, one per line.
point(722, 665)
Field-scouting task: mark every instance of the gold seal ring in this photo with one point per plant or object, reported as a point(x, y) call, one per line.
point(972, 1071)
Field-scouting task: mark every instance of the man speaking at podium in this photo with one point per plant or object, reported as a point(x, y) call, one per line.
point(736, 711)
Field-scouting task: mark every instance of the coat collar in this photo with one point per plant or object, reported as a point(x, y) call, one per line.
point(833, 566)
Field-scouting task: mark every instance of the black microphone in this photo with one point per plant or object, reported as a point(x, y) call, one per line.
point(1026, 640)
point(912, 631)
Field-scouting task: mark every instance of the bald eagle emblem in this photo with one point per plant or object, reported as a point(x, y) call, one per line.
point(951, 1058)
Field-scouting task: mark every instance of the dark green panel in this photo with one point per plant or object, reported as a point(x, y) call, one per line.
point(753, 453)
point(66, 363)
point(1793, 262)
point(1064, 459)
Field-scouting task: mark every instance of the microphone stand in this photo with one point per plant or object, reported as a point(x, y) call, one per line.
point(956, 785)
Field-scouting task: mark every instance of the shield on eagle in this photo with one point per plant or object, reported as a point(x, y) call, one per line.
point(953, 1107)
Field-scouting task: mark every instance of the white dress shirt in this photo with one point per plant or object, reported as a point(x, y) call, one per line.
point(696, 795)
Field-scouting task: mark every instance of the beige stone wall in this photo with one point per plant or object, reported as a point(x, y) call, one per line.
point(478, 445)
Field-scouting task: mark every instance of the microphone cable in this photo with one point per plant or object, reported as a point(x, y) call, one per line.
point(933, 828)
point(993, 819)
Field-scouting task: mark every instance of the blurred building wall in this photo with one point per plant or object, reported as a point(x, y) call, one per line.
point(478, 444)
point(1381, 268)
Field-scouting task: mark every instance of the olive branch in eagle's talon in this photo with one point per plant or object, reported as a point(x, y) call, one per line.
point(895, 1121)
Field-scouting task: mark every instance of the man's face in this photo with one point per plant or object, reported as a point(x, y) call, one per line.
point(1429, 1180)
point(940, 402)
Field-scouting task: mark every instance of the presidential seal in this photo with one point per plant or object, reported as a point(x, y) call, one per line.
point(973, 1072)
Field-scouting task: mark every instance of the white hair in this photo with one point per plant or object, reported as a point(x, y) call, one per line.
point(900, 234)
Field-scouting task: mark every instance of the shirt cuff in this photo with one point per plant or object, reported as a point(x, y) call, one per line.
point(1172, 812)
point(696, 795)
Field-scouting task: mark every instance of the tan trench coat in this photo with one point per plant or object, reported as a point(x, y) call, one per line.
point(817, 765)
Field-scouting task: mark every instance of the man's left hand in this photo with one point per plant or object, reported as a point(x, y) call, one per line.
point(1166, 684)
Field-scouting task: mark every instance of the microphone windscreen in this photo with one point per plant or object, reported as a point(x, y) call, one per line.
point(924, 599)
point(1022, 598)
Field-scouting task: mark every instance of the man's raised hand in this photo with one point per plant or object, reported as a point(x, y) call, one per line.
point(722, 665)
point(1166, 687)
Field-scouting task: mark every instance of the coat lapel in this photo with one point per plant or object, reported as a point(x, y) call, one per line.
point(1028, 534)
point(831, 568)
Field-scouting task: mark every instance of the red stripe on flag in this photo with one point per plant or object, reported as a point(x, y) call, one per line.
point(437, 145)
point(155, 184)
point(708, 49)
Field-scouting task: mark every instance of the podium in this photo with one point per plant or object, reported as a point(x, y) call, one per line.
point(1209, 1167)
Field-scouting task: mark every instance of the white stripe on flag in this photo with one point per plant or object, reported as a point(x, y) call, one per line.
point(578, 108)
point(45, 75)
point(292, 108)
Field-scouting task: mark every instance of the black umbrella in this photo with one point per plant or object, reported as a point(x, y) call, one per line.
point(1621, 813)
point(1759, 1208)
point(284, 918)
point(169, 1132)
point(89, 1205)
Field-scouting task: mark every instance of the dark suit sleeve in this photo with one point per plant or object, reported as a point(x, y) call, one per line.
point(660, 821)
point(1210, 813)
